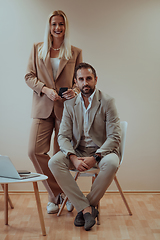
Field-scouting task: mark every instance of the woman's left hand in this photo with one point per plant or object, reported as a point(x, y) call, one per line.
point(69, 94)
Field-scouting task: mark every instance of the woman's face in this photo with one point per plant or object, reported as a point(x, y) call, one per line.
point(57, 27)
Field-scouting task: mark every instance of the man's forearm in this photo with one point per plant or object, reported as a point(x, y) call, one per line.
point(73, 158)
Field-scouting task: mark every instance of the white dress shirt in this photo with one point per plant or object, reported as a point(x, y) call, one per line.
point(86, 141)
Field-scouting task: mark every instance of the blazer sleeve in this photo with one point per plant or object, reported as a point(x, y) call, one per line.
point(65, 133)
point(31, 76)
point(113, 131)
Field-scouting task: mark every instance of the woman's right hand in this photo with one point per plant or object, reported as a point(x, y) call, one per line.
point(51, 93)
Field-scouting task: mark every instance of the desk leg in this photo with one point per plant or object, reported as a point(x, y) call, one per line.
point(6, 203)
point(35, 185)
point(9, 200)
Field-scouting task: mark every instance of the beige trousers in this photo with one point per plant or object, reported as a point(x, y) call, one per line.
point(60, 165)
point(39, 146)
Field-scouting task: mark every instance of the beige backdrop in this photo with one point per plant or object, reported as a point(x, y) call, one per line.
point(121, 39)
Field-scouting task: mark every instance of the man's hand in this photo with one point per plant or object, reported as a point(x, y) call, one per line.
point(79, 163)
point(89, 161)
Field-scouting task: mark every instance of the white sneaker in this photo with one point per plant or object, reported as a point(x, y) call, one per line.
point(69, 205)
point(52, 208)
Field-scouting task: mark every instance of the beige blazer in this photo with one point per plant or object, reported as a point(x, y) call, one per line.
point(39, 74)
point(104, 125)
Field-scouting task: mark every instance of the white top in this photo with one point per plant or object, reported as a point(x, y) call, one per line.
point(55, 65)
point(86, 141)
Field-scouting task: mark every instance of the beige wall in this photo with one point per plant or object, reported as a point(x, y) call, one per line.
point(121, 39)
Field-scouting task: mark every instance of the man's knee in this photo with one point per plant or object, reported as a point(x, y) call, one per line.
point(52, 164)
point(56, 163)
point(110, 161)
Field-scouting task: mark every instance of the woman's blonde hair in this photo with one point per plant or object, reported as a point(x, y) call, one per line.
point(65, 49)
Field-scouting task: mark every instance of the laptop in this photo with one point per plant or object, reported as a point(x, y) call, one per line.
point(8, 170)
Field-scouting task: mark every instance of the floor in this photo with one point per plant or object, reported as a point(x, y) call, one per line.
point(116, 224)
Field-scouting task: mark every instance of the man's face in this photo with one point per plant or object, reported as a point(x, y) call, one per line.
point(86, 81)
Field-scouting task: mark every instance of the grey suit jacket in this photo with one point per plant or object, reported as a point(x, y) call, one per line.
point(104, 125)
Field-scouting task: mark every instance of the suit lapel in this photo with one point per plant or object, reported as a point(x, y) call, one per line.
point(62, 64)
point(94, 108)
point(78, 114)
point(48, 65)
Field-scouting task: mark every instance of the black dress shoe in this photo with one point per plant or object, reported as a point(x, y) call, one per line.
point(90, 218)
point(79, 220)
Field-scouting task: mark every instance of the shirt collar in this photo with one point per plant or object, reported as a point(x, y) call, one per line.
point(90, 99)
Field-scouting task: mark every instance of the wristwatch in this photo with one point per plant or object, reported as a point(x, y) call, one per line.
point(97, 158)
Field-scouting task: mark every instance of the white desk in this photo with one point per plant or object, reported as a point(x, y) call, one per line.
point(34, 180)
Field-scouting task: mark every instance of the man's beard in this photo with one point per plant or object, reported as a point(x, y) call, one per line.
point(88, 92)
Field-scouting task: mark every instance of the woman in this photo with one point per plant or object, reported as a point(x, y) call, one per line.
point(51, 66)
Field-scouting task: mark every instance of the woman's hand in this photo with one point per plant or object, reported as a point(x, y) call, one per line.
point(69, 94)
point(51, 94)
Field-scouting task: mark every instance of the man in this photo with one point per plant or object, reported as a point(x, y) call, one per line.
point(89, 135)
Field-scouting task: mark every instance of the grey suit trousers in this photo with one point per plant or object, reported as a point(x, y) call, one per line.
point(60, 165)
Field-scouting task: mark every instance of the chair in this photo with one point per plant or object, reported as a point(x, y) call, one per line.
point(93, 172)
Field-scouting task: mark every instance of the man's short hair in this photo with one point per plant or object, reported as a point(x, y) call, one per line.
point(86, 66)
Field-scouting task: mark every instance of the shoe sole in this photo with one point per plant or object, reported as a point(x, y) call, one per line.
point(78, 224)
point(52, 212)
